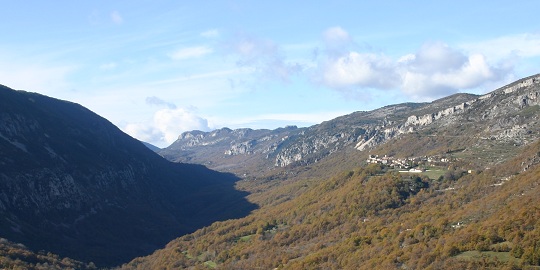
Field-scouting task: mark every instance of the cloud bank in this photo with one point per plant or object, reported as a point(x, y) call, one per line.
point(435, 70)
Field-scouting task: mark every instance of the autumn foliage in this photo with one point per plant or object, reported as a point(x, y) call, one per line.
point(374, 218)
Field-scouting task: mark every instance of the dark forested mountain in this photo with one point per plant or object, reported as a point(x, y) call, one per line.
point(74, 184)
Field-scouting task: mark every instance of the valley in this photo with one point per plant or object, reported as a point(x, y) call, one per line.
point(450, 184)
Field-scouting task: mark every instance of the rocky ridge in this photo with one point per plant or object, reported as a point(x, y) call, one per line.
point(506, 114)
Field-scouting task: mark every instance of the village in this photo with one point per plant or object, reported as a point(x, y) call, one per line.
point(412, 164)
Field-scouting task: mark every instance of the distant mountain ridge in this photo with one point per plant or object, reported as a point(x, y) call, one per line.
point(291, 145)
point(74, 184)
point(241, 150)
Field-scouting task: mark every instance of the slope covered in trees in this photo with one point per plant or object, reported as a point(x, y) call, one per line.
point(371, 217)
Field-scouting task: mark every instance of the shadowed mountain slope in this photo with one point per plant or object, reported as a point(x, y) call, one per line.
point(74, 184)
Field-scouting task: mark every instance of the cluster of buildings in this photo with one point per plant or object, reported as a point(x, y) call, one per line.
point(412, 164)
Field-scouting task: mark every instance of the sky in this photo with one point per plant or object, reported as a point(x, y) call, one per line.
point(159, 68)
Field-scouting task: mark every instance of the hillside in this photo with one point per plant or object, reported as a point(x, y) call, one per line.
point(475, 208)
point(349, 220)
point(73, 184)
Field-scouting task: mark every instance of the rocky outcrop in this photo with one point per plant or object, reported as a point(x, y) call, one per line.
point(243, 148)
point(427, 119)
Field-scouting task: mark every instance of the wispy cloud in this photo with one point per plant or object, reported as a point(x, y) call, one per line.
point(153, 100)
point(208, 75)
point(190, 52)
point(263, 55)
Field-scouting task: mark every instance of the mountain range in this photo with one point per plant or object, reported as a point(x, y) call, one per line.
point(506, 117)
point(448, 184)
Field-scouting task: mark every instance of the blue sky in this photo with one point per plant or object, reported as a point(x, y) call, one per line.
point(159, 68)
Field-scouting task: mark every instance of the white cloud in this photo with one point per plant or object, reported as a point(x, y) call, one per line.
point(359, 70)
point(337, 41)
point(116, 17)
point(190, 52)
point(166, 126)
point(336, 35)
point(435, 56)
point(435, 70)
